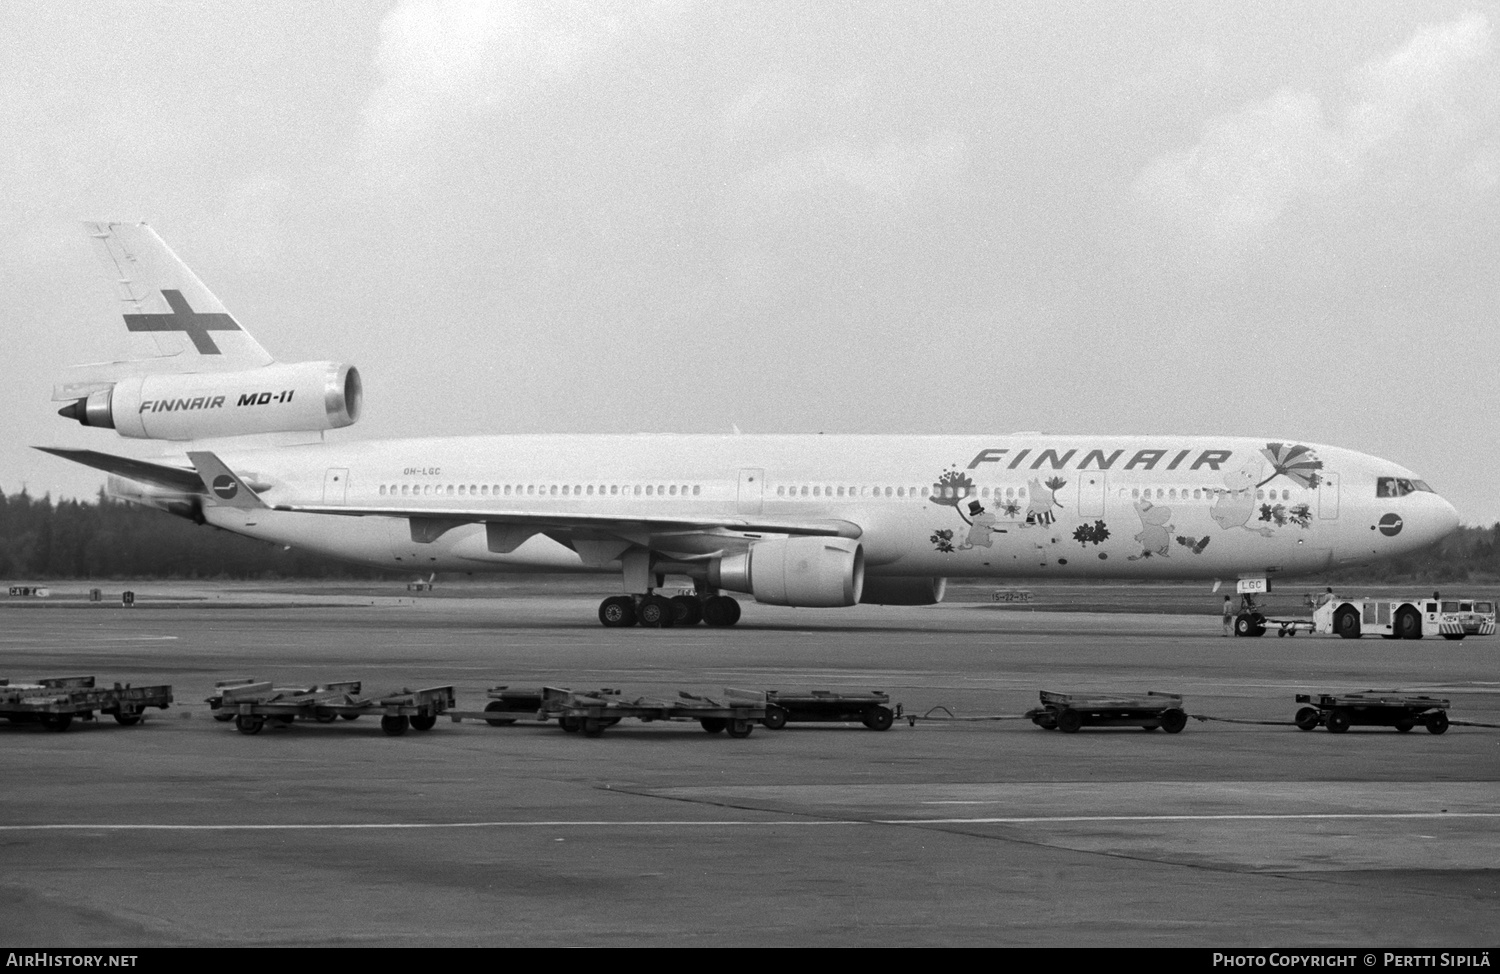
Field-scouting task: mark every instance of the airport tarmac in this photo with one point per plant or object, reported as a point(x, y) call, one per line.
point(181, 831)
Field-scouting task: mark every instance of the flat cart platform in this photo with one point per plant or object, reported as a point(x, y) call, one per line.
point(1371, 709)
point(506, 706)
point(873, 709)
point(55, 702)
point(1069, 712)
point(251, 704)
point(592, 711)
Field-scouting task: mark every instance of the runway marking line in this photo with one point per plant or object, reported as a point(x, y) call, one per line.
point(740, 823)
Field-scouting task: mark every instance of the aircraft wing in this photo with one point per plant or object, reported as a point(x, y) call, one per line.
point(183, 479)
point(608, 523)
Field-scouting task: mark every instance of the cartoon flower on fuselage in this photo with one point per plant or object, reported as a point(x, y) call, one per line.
point(951, 488)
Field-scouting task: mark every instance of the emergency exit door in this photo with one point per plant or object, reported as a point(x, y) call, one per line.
point(751, 488)
point(336, 485)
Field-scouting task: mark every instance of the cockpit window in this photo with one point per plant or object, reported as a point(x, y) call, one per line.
point(1398, 486)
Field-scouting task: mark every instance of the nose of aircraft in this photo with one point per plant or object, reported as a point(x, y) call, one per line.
point(1439, 519)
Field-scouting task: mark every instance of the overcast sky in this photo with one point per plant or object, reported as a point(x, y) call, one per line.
point(1266, 218)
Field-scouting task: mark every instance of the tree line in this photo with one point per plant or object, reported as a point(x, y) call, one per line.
point(106, 538)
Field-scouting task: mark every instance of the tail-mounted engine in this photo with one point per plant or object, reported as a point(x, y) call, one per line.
point(291, 398)
point(809, 572)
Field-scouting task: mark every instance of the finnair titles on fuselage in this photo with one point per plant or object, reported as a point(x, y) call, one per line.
point(815, 521)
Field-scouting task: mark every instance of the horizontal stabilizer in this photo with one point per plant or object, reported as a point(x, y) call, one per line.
point(160, 474)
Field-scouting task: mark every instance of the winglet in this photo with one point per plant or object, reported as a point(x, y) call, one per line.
point(223, 484)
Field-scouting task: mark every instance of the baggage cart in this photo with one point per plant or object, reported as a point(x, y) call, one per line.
point(1371, 709)
point(251, 704)
point(1069, 712)
point(592, 711)
point(55, 702)
point(872, 709)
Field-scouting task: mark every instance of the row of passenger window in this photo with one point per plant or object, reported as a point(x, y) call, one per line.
point(1201, 493)
point(541, 490)
point(835, 490)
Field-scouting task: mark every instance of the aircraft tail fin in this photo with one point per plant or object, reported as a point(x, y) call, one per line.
point(175, 323)
point(224, 484)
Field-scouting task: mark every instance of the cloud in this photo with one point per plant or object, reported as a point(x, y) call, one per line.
point(1412, 129)
point(443, 61)
point(890, 174)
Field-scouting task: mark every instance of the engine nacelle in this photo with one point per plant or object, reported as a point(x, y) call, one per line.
point(292, 398)
point(809, 572)
point(899, 590)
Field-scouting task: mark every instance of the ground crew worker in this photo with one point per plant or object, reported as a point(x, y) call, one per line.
point(1228, 617)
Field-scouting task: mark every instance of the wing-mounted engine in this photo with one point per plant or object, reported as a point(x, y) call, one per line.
point(280, 398)
point(899, 590)
point(814, 572)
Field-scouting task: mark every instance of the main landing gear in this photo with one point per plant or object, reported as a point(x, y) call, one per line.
point(659, 612)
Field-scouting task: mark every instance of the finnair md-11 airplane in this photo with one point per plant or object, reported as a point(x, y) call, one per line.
point(814, 521)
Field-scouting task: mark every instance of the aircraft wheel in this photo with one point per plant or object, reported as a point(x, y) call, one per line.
point(686, 610)
point(394, 725)
point(127, 720)
point(1307, 719)
point(721, 610)
point(1070, 721)
point(424, 722)
point(1437, 723)
point(249, 723)
point(617, 611)
point(1243, 626)
point(1346, 623)
point(1173, 721)
point(655, 612)
point(775, 718)
point(740, 728)
point(1337, 722)
point(1408, 624)
point(714, 724)
point(880, 718)
point(492, 707)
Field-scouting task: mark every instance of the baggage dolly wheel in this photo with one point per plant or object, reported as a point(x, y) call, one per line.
point(714, 724)
point(593, 727)
point(570, 723)
point(1437, 723)
point(740, 728)
point(1046, 721)
point(775, 718)
point(1338, 721)
point(249, 723)
point(492, 707)
point(350, 716)
point(394, 725)
point(325, 718)
point(1307, 719)
point(424, 722)
point(879, 718)
point(1069, 721)
point(1173, 721)
point(57, 722)
point(127, 720)
point(1405, 726)
point(223, 718)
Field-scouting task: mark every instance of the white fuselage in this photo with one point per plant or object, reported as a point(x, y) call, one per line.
point(971, 506)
